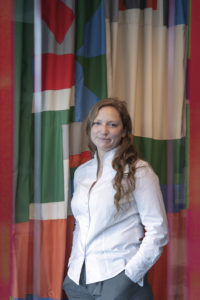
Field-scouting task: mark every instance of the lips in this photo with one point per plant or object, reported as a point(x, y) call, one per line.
point(104, 139)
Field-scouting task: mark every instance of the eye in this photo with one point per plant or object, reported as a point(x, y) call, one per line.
point(112, 124)
point(96, 123)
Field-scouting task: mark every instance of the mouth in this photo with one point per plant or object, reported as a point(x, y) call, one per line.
point(104, 139)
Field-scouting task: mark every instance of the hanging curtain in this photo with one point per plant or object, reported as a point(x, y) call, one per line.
point(133, 50)
point(146, 65)
point(50, 142)
point(193, 93)
point(41, 171)
point(6, 145)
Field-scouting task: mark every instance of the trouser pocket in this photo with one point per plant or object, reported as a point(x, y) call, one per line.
point(75, 291)
point(121, 287)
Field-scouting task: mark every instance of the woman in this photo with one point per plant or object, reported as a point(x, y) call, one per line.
point(121, 225)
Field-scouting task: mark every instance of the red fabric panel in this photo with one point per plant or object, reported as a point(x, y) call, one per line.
point(59, 26)
point(78, 159)
point(157, 277)
point(57, 71)
point(152, 4)
point(6, 143)
point(193, 284)
point(168, 275)
point(121, 5)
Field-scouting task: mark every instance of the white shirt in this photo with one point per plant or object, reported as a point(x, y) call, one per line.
point(110, 242)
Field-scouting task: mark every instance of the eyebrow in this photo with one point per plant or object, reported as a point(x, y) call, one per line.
point(107, 121)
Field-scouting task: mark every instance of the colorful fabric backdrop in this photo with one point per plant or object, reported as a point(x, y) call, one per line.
point(68, 55)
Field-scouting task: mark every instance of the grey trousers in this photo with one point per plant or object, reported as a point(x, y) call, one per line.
point(119, 287)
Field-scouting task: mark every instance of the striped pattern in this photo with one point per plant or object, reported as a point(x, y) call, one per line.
point(55, 108)
point(135, 50)
point(146, 65)
point(156, 95)
point(40, 224)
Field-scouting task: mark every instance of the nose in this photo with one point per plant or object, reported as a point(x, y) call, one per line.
point(104, 129)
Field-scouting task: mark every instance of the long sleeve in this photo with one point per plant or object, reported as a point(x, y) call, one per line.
point(109, 241)
point(76, 227)
point(151, 209)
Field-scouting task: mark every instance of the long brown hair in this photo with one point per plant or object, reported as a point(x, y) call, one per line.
point(125, 156)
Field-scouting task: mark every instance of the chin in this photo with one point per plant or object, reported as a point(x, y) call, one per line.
point(106, 149)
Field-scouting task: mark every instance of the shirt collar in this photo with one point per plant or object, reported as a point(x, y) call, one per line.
point(108, 157)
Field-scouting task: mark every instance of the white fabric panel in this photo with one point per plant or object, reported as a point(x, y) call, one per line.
point(52, 100)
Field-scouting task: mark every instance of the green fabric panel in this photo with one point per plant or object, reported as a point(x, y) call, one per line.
point(50, 119)
point(84, 10)
point(92, 77)
point(72, 171)
point(52, 180)
point(156, 153)
point(23, 172)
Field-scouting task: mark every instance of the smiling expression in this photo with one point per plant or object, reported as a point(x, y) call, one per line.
point(107, 129)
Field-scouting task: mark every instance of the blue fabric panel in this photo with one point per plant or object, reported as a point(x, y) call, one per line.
point(94, 35)
point(84, 98)
point(178, 193)
point(181, 8)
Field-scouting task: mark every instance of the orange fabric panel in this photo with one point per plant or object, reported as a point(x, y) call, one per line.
point(40, 257)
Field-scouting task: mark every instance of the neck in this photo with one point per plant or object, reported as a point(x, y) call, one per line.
point(100, 157)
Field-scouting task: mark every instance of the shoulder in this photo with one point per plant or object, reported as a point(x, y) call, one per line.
point(146, 178)
point(143, 168)
point(82, 170)
point(83, 167)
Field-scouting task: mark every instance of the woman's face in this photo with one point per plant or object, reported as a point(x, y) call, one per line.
point(107, 129)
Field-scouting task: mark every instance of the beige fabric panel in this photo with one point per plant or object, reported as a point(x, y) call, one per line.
point(143, 64)
point(75, 133)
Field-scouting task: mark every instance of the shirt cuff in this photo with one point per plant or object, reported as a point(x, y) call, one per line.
point(139, 282)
